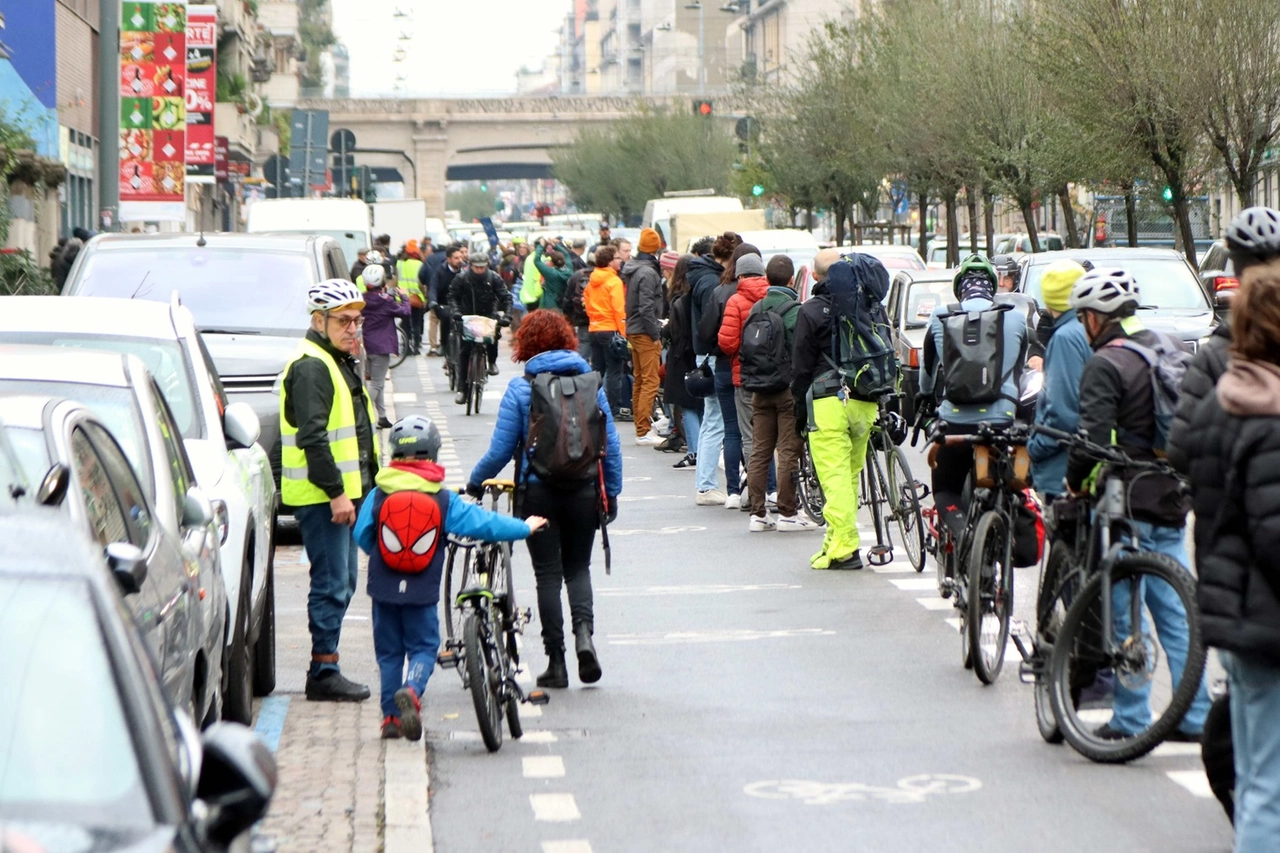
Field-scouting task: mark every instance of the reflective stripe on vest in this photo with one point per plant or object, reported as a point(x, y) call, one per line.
point(295, 487)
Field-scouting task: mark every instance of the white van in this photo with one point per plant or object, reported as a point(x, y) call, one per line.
point(658, 211)
point(801, 246)
point(346, 220)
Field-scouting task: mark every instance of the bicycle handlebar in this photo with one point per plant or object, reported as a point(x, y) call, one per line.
point(1102, 452)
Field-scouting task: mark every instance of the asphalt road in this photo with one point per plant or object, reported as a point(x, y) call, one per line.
point(750, 703)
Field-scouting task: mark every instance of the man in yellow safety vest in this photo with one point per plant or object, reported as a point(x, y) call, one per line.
point(329, 457)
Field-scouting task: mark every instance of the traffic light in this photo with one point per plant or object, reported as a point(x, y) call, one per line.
point(757, 190)
point(484, 188)
point(703, 108)
point(1167, 195)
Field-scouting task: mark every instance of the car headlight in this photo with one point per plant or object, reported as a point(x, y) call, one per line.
point(222, 521)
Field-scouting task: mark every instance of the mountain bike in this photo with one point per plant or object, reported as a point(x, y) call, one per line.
point(480, 633)
point(890, 492)
point(1094, 611)
point(975, 568)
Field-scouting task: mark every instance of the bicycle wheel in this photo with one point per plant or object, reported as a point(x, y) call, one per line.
point(990, 598)
point(481, 676)
point(808, 489)
point(1135, 656)
point(1058, 582)
point(403, 340)
point(905, 502)
point(872, 482)
point(454, 577)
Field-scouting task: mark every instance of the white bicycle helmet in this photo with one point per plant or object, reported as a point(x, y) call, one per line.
point(374, 257)
point(333, 294)
point(374, 275)
point(1105, 290)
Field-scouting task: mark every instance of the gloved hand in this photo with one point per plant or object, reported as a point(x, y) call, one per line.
point(924, 402)
point(612, 515)
point(801, 410)
point(472, 490)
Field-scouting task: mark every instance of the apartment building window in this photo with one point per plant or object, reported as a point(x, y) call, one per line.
point(771, 43)
point(79, 193)
point(635, 74)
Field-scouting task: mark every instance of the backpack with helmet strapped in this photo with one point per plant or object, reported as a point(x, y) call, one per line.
point(566, 433)
point(764, 355)
point(862, 340)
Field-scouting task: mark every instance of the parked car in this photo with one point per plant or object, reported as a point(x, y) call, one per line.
point(1173, 298)
point(1218, 275)
point(936, 255)
point(219, 437)
point(913, 297)
point(1014, 244)
point(894, 256)
point(115, 444)
point(96, 758)
point(15, 486)
point(797, 244)
point(247, 292)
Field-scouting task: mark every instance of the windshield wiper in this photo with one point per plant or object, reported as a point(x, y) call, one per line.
point(230, 332)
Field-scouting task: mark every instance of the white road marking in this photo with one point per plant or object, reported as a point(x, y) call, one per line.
point(527, 711)
point(555, 808)
point(542, 766)
point(404, 397)
point(1193, 780)
point(912, 789)
point(629, 498)
point(954, 622)
point(539, 736)
point(523, 676)
point(405, 783)
point(935, 604)
point(694, 589)
point(1094, 716)
point(915, 584)
point(1178, 750)
point(575, 846)
point(661, 531)
point(728, 636)
point(897, 567)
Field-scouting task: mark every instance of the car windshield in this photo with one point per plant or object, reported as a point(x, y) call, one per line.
point(1163, 283)
point(116, 407)
point(923, 297)
point(51, 771)
point(899, 261)
point(226, 288)
point(165, 359)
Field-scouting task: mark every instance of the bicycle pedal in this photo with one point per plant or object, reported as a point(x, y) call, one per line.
point(537, 697)
point(1027, 672)
point(880, 555)
point(447, 659)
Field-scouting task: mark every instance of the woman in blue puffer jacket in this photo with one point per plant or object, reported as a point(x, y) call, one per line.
point(562, 554)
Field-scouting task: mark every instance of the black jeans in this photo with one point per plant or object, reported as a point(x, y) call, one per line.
point(561, 554)
point(952, 466)
point(610, 366)
point(416, 316)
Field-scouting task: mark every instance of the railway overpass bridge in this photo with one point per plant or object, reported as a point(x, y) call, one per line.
point(475, 138)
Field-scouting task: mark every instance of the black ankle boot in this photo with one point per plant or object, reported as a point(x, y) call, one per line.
point(588, 664)
point(557, 674)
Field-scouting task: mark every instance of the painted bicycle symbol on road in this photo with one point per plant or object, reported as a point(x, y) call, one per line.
point(912, 789)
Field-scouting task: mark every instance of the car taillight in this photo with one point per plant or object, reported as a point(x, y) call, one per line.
point(913, 358)
point(1225, 282)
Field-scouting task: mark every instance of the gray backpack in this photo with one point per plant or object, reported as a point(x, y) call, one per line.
point(1168, 363)
point(973, 355)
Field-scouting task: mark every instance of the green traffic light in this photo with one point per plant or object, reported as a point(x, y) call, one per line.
point(484, 188)
point(757, 190)
point(1167, 194)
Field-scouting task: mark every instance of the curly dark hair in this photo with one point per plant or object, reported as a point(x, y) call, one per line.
point(605, 256)
point(543, 331)
point(702, 246)
point(722, 248)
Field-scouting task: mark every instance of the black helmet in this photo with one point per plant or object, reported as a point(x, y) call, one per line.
point(1004, 264)
point(1254, 236)
point(415, 437)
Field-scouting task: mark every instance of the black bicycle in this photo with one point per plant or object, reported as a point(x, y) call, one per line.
point(975, 569)
point(1094, 611)
point(480, 633)
point(890, 492)
point(808, 489)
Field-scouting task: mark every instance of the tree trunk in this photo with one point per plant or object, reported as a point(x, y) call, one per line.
point(839, 208)
point(1069, 216)
point(972, 201)
point(989, 220)
point(1182, 218)
point(1029, 218)
point(924, 223)
point(1131, 215)
point(953, 231)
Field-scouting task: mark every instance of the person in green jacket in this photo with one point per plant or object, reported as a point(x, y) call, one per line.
point(531, 288)
point(555, 275)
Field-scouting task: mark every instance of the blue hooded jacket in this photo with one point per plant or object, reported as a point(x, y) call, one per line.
point(513, 420)
point(1059, 404)
point(1003, 410)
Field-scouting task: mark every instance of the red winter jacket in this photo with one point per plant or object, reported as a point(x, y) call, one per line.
point(750, 291)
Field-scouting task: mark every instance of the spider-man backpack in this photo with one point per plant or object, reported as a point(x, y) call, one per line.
point(410, 525)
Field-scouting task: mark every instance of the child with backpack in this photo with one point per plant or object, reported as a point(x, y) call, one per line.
point(554, 423)
point(402, 527)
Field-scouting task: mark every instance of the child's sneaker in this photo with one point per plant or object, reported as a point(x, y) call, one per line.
point(410, 706)
point(391, 729)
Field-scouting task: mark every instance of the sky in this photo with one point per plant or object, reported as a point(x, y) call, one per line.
point(457, 47)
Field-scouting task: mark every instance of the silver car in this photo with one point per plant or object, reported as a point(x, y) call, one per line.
point(94, 431)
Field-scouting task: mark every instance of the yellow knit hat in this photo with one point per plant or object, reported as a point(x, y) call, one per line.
point(1056, 284)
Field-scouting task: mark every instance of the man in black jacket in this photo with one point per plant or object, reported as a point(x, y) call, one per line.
point(1117, 405)
point(426, 283)
point(478, 290)
point(642, 276)
point(455, 258)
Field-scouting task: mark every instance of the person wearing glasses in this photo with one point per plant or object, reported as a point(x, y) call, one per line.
point(329, 458)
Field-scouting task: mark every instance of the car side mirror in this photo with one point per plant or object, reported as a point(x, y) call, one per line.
point(241, 426)
point(196, 509)
point(53, 488)
point(237, 779)
point(127, 565)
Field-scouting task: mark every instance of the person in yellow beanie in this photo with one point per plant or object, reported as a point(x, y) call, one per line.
point(1064, 359)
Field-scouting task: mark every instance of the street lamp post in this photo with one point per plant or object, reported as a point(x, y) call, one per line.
point(702, 65)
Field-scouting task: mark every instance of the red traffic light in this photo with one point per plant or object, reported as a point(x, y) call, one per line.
point(703, 108)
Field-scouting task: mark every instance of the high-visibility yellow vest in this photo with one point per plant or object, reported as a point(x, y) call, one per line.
point(295, 488)
point(407, 275)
